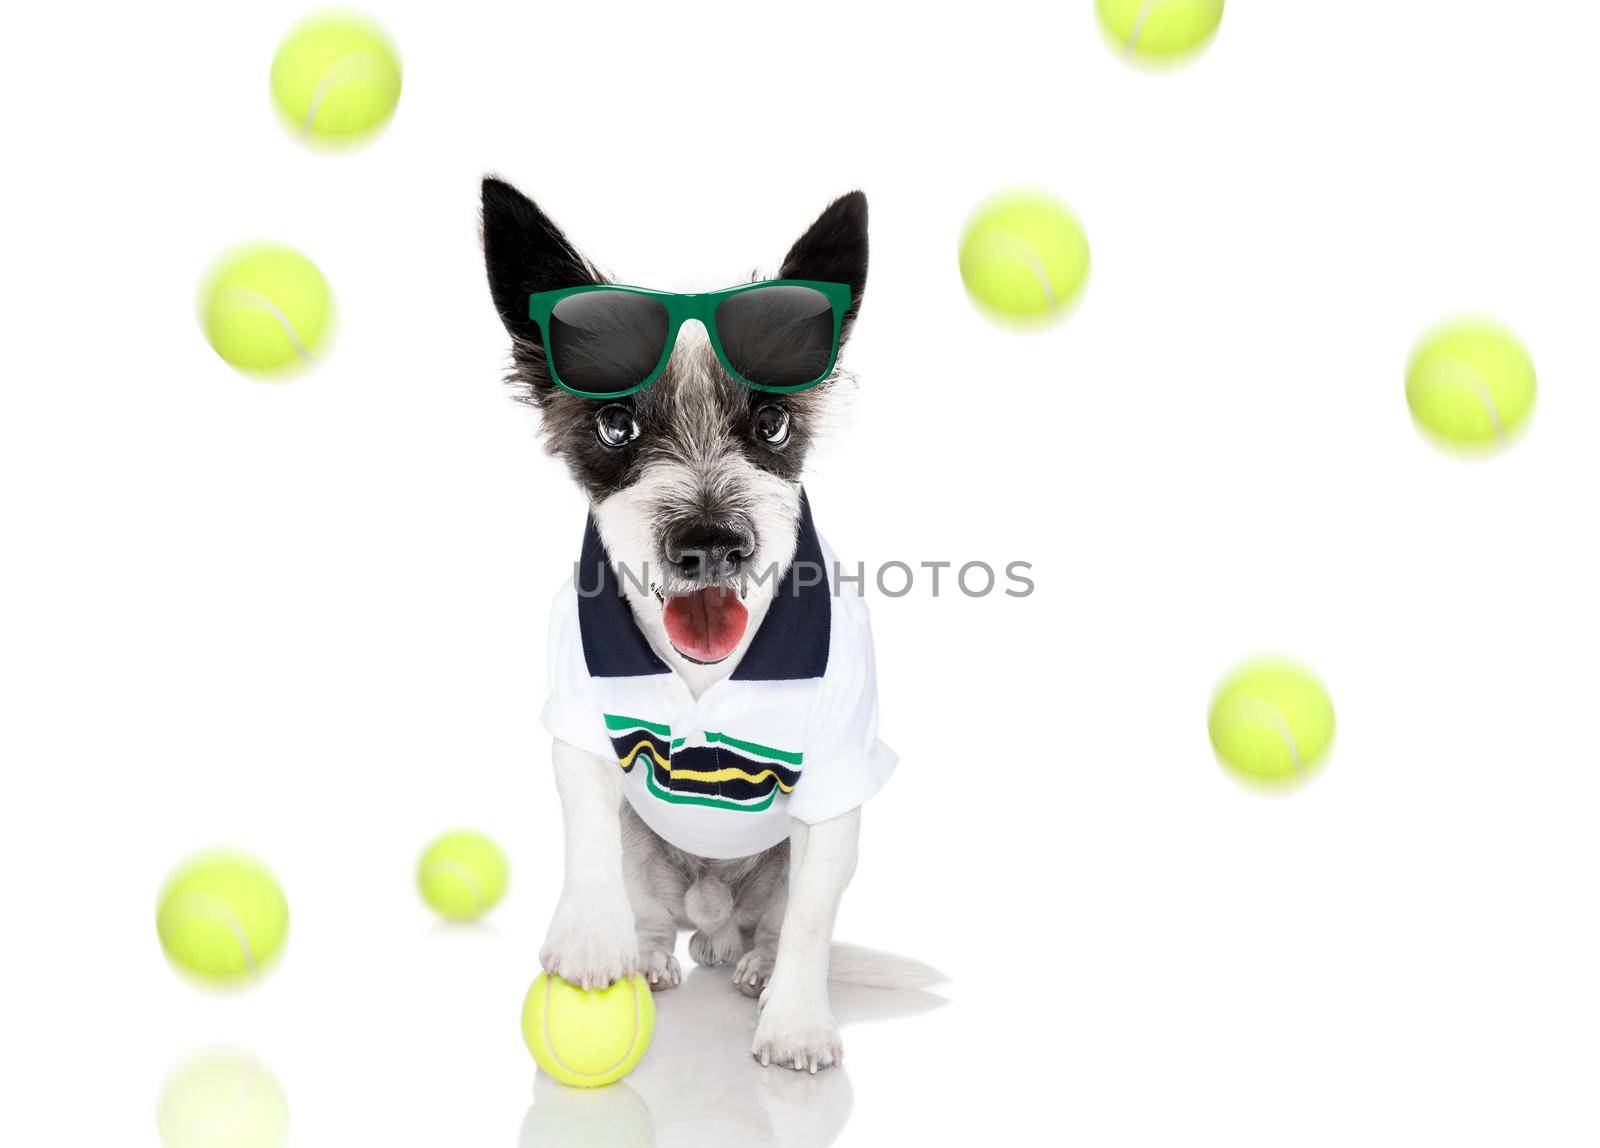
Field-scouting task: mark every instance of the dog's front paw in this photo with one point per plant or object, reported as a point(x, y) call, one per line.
point(591, 942)
point(753, 971)
point(660, 969)
point(796, 1032)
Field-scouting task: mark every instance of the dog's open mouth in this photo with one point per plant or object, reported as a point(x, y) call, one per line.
point(705, 625)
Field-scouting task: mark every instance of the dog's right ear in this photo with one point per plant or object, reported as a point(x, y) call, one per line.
point(524, 254)
point(834, 250)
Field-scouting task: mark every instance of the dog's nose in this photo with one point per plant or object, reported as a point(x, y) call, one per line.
point(710, 552)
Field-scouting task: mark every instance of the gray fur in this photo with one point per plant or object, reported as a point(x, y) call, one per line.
point(734, 907)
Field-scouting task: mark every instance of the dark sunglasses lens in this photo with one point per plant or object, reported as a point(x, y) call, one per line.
point(779, 336)
point(606, 342)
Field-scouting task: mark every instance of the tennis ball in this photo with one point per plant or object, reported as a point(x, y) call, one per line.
point(1271, 722)
point(1470, 385)
point(462, 875)
point(1024, 258)
point(222, 918)
point(591, 1037)
point(1160, 31)
point(223, 1099)
point(266, 309)
point(336, 78)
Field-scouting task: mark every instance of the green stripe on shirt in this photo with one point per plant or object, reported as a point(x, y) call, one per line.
point(782, 755)
point(616, 721)
point(712, 736)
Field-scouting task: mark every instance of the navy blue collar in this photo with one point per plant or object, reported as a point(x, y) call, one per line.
point(791, 645)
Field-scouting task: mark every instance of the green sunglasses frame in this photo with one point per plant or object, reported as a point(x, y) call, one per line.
point(680, 309)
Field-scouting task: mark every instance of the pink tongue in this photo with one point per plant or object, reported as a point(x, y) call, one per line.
point(707, 624)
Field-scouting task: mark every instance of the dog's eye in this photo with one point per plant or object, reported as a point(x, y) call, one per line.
point(772, 425)
point(616, 426)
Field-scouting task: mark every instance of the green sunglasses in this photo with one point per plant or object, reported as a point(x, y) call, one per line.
point(603, 341)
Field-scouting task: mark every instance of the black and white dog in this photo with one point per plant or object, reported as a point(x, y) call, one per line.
point(715, 733)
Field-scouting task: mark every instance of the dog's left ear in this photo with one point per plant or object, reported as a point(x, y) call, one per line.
point(524, 253)
point(834, 250)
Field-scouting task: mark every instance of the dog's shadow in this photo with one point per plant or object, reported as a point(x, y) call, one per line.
point(699, 1085)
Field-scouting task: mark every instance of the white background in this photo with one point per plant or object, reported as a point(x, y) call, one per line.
point(309, 619)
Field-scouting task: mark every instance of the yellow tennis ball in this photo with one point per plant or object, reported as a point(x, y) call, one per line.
point(336, 78)
point(1160, 31)
point(1271, 722)
point(222, 918)
point(1470, 385)
point(266, 309)
point(462, 875)
point(1024, 258)
point(223, 1099)
point(591, 1037)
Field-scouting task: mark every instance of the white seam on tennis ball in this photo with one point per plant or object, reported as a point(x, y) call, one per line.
point(1287, 735)
point(220, 909)
point(1481, 386)
point(255, 299)
point(1138, 23)
point(332, 77)
point(478, 896)
point(1025, 253)
point(1145, 10)
point(544, 1024)
point(1274, 717)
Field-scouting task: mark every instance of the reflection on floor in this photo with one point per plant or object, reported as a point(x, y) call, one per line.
point(699, 1085)
point(223, 1098)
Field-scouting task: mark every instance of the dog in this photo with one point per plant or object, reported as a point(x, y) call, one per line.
point(712, 683)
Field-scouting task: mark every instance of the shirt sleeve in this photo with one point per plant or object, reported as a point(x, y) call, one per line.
point(845, 763)
point(571, 712)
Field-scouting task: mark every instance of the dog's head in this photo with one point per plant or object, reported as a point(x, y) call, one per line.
point(695, 479)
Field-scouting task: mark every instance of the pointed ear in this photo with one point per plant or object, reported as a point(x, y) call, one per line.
point(525, 253)
point(834, 250)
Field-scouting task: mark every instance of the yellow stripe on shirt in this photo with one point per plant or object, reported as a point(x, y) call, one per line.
point(729, 774)
point(708, 775)
point(627, 759)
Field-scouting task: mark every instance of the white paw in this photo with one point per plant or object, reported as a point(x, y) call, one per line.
point(797, 1033)
point(753, 971)
point(661, 969)
point(591, 942)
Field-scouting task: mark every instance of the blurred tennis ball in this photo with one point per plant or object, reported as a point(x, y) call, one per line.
point(1271, 722)
point(222, 918)
point(336, 78)
point(1024, 258)
point(588, 1037)
point(1160, 31)
point(223, 1099)
point(462, 875)
point(266, 309)
point(1470, 385)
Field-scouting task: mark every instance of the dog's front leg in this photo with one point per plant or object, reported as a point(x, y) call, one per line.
point(796, 1026)
point(591, 941)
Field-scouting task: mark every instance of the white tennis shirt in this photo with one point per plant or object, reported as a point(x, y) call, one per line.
point(791, 733)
